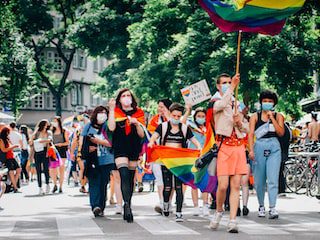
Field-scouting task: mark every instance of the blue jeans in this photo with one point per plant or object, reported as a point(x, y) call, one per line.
point(266, 167)
point(98, 186)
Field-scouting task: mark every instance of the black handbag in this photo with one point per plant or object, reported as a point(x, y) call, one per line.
point(85, 153)
point(206, 159)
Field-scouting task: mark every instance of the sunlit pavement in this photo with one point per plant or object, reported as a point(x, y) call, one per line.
point(64, 216)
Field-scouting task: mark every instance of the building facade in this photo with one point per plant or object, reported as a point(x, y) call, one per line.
point(84, 72)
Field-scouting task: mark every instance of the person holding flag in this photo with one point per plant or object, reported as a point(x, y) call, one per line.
point(126, 121)
point(162, 116)
point(199, 130)
point(173, 134)
point(230, 129)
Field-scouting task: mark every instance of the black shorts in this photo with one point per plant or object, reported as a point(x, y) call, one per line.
point(62, 151)
point(12, 164)
point(130, 156)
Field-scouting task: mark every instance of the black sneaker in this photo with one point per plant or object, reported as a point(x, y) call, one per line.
point(245, 211)
point(97, 211)
point(213, 205)
point(239, 212)
point(127, 213)
point(140, 187)
point(60, 190)
point(55, 188)
point(226, 208)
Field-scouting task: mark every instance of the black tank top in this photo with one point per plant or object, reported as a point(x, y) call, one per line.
point(260, 122)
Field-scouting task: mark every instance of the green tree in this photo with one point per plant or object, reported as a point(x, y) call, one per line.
point(103, 32)
point(46, 24)
point(17, 80)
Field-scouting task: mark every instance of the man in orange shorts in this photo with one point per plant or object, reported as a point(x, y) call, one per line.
point(230, 128)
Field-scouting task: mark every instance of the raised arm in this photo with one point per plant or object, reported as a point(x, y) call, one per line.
point(111, 118)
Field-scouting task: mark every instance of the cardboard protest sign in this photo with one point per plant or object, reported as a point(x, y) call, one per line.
point(196, 93)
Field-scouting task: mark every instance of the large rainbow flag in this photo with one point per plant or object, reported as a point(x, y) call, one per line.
point(180, 162)
point(258, 16)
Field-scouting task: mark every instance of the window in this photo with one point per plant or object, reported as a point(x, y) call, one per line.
point(57, 22)
point(38, 101)
point(76, 95)
point(64, 102)
point(80, 60)
point(57, 62)
point(96, 65)
point(50, 57)
point(101, 64)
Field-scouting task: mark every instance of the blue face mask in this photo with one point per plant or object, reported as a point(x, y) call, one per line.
point(174, 121)
point(224, 88)
point(200, 121)
point(267, 106)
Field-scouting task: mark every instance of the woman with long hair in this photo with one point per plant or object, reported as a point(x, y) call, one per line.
point(125, 122)
point(96, 140)
point(24, 152)
point(10, 162)
point(40, 140)
point(61, 142)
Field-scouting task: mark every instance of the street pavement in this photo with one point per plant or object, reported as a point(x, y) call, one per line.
point(66, 216)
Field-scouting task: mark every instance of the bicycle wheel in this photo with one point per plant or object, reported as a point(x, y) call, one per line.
point(314, 187)
point(295, 179)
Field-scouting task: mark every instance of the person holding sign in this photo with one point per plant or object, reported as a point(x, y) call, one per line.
point(230, 128)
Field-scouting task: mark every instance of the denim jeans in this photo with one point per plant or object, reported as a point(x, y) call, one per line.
point(266, 166)
point(98, 186)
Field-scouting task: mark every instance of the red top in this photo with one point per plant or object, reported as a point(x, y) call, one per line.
point(9, 155)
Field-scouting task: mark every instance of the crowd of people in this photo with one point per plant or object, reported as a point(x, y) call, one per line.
point(105, 148)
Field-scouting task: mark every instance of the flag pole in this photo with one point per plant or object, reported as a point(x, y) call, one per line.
point(237, 68)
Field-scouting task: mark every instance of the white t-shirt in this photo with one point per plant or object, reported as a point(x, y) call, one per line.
point(24, 142)
point(15, 138)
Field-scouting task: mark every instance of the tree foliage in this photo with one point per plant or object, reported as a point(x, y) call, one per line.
point(17, 79)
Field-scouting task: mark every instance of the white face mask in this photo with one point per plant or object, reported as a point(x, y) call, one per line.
point(54, 124)
point(126, 101)
point(101, 118)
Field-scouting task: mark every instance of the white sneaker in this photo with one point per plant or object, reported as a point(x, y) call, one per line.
point(262, 212)
point(47, 189)
point(118, 209)
point(273, 214)
point(196, 211)
point(41, 192)
point(179, 217)
point(205, 210)
point(214, 223)
point(170, 208)
point(232, 227)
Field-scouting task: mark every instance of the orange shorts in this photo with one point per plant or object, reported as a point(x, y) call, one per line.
point(231, 160)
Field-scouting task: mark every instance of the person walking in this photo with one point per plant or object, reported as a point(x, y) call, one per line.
point(24, 152)
point(96, 144)
point(126, 121)
point(266, 126)
point(230, 128)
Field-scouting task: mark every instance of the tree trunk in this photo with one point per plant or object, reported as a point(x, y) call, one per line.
point(57, 97)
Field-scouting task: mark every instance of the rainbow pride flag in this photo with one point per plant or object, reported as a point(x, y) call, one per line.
point(258, 16)
point(180, 162)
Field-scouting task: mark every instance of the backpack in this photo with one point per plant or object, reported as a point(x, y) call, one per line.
point(286, 138)
point(166, 127)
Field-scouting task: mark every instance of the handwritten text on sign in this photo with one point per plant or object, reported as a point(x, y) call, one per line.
point(196, 93)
